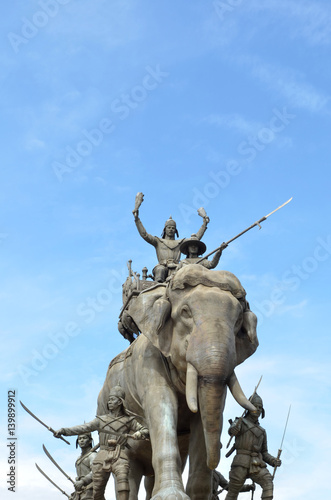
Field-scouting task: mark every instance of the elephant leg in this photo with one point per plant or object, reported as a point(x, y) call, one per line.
point(122, 495)
point(199, 484)
point(149, 485)
point(135, 475)
point(162, 414)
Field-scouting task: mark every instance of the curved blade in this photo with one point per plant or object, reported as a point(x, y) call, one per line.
point(34, 416)
point(244, 231)
point(49, 479)
point(41, 422)
point(283, 205)
point(56, 464)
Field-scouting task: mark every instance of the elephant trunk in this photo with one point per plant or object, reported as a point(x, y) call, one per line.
point(207, 373)
point(212, 394)
point(207, 378)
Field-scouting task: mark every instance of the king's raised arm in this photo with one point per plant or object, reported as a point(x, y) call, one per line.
point(167, 247)
point(142, 231)
point(206, 220)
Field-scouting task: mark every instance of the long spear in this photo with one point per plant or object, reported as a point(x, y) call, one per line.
point(281, 444)
point(245, 231)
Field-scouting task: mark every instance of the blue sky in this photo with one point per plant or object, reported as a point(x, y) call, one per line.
point(222, 104)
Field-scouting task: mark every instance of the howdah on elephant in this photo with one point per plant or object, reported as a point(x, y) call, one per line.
point(194, 331)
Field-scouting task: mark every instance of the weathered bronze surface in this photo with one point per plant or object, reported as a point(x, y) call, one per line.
point(221, 484)
point(114, 429)
point(252, 454)
point(163, 398)
point(193, 248)
point(194, 329)
point(167, 247)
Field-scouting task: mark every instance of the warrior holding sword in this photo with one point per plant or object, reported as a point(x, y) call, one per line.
point(114, 429)
point(167, 247)
point(84, 468)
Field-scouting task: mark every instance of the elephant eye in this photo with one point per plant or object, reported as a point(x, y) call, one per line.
point(186, 312)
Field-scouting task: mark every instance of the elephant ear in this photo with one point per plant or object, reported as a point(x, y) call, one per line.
point(151, 311)
point(246, 339)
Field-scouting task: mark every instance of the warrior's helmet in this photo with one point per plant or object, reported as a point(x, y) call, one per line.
point(118, 392)
point(169, 222)
point(195, 240)
point(257, 400)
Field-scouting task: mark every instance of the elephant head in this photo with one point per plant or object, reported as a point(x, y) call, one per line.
point(201, 322)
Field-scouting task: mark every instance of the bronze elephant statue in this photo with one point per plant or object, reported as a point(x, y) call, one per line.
point(195, 330)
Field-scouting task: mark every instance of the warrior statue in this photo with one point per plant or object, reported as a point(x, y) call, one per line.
point(252, 454)
point(193, 248)
point(114, 431)
point(83, 484)
point(167, 247)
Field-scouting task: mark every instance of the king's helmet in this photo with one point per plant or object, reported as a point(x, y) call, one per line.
point(169, 222)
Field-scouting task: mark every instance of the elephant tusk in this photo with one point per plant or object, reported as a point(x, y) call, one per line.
point(192, 388)
point(238, 393)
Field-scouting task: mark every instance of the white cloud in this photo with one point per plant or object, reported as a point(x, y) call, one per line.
point(295, 309)
point(234, 121)
point(34, 143)
point(220, 34)
point(308, 20)
point(112, 26)
point(288, 83)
